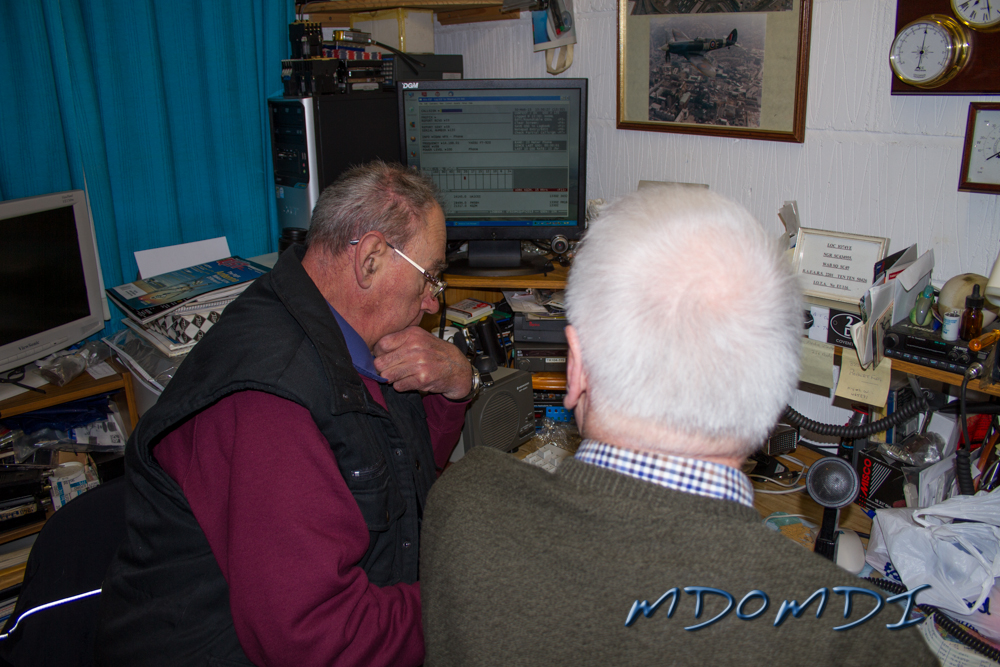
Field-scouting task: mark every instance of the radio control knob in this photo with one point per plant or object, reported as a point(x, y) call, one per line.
point(890, 341)
point(959, 355)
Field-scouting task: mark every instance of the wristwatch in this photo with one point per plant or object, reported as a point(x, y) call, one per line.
point(477, 384)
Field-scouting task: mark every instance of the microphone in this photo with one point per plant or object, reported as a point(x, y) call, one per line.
point(833, 483)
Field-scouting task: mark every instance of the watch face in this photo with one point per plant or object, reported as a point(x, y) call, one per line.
point(927, 52)
point(978, 14)
point(984, 153)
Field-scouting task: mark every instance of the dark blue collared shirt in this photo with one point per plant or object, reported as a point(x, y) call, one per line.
point(361, 356)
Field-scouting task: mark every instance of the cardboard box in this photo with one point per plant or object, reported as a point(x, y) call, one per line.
point(881, 483)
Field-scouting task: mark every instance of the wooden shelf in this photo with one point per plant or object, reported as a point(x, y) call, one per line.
point(548, 381)
point(356, 6)
point(83, 386)
point(941, 376)
point(555, 279)
point(18, 533)
point(12, 576)
point(852, 516)
point(900, 366)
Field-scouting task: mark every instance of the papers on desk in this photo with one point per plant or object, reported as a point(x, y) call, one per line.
point(898, 281)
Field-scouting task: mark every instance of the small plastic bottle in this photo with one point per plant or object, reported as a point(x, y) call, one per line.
point(972, 318)
point(921, 314)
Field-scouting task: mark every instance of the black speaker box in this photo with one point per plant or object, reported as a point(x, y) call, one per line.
point(503, 415)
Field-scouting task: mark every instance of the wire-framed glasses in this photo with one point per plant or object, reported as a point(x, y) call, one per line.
point(437, 285)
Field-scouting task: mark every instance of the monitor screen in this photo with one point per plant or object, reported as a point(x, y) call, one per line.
point(509, 158)
point(50, 287)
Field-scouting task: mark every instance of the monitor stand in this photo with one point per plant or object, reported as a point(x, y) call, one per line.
point(498, 259)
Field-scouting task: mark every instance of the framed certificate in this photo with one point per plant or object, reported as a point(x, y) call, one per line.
point(837, 266)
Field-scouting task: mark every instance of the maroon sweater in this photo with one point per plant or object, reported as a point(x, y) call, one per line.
point(287, 534)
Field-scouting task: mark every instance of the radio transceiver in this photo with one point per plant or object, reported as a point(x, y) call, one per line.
point(918, 345)
point(541, 357)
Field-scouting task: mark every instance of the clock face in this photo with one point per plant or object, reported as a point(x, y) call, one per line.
point(924, 53)
point(978, 14)
point(984, 153)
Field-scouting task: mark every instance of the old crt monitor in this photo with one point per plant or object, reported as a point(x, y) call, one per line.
point(509, 157)
point(50, 281)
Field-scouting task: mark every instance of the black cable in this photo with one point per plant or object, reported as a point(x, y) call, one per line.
point(795, 418)
point(951, 627)
point(405, 57)
point(963, 467)
point(975, 408)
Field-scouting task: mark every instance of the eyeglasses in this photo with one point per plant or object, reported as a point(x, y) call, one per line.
point(437, 285)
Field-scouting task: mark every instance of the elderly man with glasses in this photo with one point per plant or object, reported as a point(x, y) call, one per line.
point(276, 489)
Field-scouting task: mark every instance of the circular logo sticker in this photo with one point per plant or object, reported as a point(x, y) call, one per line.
point(841, 323)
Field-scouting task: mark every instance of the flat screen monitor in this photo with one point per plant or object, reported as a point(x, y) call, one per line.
point(509, 157)
point(50, 281)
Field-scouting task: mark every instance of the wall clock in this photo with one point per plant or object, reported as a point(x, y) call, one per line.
point(981, 157)
point(978, 14)
point(976, 19)
point(930, 51)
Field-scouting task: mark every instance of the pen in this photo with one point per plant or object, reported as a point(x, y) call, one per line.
point(557, 17)
point(987, 339)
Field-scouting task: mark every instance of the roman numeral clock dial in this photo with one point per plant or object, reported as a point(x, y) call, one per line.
point(982, 15)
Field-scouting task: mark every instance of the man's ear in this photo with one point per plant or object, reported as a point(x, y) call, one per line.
point(576, 377)
point(368, 256)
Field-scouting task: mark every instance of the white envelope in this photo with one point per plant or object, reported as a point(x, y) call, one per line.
point(909, 284)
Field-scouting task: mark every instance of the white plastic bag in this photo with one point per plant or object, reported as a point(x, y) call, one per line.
point(923, 546)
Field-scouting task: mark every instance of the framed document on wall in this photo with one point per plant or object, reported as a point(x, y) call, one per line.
point(836, 266)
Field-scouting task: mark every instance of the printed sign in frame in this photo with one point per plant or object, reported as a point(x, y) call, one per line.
point(835, 265)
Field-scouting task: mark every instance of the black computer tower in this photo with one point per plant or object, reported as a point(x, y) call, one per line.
point(315, 139)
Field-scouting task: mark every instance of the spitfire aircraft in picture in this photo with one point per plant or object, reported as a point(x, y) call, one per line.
point(695, 50)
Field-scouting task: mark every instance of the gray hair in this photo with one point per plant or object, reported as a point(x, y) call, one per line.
point(377, 196)
point(688, 316)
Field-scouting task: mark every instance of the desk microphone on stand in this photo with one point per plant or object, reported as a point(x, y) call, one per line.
point(833, 483)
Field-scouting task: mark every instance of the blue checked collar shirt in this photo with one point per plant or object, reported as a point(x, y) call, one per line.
point(703, 478)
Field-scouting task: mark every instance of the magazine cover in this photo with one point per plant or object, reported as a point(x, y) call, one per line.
point(147, 299)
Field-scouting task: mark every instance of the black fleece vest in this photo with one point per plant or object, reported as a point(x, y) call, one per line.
point(165, 600)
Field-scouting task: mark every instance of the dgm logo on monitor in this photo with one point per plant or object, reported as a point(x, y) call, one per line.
point(407, 85)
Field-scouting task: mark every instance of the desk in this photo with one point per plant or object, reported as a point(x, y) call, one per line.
point(852, 516)
point(82, 386)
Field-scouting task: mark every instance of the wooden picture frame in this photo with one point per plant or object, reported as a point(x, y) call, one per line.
point(837, 266)
point(757, 90)
point(973, 149)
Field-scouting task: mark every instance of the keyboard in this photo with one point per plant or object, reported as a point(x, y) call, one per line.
point(547, 457)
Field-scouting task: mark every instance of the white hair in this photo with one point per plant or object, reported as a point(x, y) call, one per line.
point(688, 316)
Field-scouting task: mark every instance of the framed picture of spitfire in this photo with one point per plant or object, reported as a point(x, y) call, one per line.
point(728, 68)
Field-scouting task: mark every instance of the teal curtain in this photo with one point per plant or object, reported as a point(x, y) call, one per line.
point(157, 109)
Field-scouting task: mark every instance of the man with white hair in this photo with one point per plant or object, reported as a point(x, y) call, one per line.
point(645, 546)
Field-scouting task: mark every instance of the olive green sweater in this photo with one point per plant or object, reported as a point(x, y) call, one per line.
point(523, 567)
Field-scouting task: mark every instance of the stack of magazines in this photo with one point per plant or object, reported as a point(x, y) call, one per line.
point(174, 310)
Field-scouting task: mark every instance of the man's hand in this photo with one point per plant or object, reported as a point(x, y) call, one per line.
point(415, 359)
